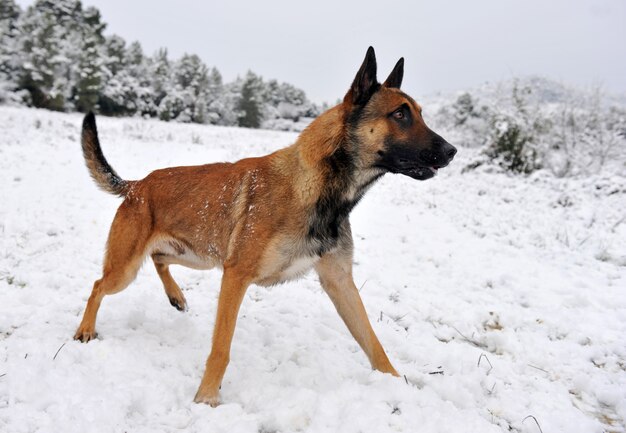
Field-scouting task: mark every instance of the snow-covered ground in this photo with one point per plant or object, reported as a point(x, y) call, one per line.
point(501, 299)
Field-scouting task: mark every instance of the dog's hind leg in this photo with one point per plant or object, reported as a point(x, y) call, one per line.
point(335, 272)
point(172, 290)
point(126, 249)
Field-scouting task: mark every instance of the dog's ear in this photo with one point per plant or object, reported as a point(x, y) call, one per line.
point(394, 80)
point(365, 83)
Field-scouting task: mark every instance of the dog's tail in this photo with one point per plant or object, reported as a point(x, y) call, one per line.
point(102, 173)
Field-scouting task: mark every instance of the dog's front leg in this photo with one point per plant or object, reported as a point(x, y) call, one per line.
point(234, 285)
point(335, 272)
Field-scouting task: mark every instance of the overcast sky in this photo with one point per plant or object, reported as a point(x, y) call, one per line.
point(447, 45)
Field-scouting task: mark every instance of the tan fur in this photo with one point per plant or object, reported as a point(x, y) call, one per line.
point(252, 219)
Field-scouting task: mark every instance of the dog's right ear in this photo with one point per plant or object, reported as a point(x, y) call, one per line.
point(365, 83)
point(394, 81)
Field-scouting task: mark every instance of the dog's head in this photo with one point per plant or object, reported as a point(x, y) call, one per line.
point(388, 127)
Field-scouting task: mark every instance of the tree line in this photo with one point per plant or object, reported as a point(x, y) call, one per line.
point(54, 55)
point(536, 123)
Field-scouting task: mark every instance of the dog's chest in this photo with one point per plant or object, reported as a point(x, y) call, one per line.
point(328, 224)
point(298, 267)
point(286, 269)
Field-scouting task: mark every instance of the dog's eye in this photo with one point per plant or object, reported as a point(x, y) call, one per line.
point(398, 114)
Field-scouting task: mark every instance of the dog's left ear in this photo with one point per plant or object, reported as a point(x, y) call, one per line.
point(394, 80)
point(365, 83)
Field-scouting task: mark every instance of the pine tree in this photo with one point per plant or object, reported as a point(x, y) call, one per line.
point(128, 88)
point(9, 54)
point(139, 81)
point(226, 106)
point(54, 56)
point(41, 49)
point(214, 94)
point(192, 76)
point(114, 58)
point(283, 100)
point(9, 14)
point(51, 31)
point(186, 100)
point(89, 80)
point(112, 99)
point(160, 70)
point(251, 101)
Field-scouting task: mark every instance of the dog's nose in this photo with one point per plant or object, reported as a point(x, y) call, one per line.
point(449, 150)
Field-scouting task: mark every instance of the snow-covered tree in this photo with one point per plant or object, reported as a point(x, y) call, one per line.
point(226, 106)
point(9, 33)
point(89, 73)
point(186, 99)
point(128, 88)
point(251, 101)
point(50, 45)
point(214, 94)
point(9, 13)
point(139, 80)
point(285, 101)
point(587, 135)
point(9, 53)
point(160, 71)
point(42, 58)
point(54, 55)
point(114, 98)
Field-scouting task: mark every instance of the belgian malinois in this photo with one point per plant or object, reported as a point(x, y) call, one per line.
point(270, 219)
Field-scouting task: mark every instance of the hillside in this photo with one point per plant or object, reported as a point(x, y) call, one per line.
point(500, 298)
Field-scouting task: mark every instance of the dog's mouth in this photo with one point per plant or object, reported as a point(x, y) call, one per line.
point(415, 168)
point(421, 172)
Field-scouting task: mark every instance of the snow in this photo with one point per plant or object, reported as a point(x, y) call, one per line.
point(501, 299)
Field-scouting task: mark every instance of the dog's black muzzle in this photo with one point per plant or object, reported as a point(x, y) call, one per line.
point(418, 164)
point(439, 155)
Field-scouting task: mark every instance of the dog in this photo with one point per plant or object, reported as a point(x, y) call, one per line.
point(269, 219)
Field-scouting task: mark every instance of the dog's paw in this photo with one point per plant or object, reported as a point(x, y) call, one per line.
point(85, 336)
point(385, 367)
point(210, 398)
point(179, 303)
